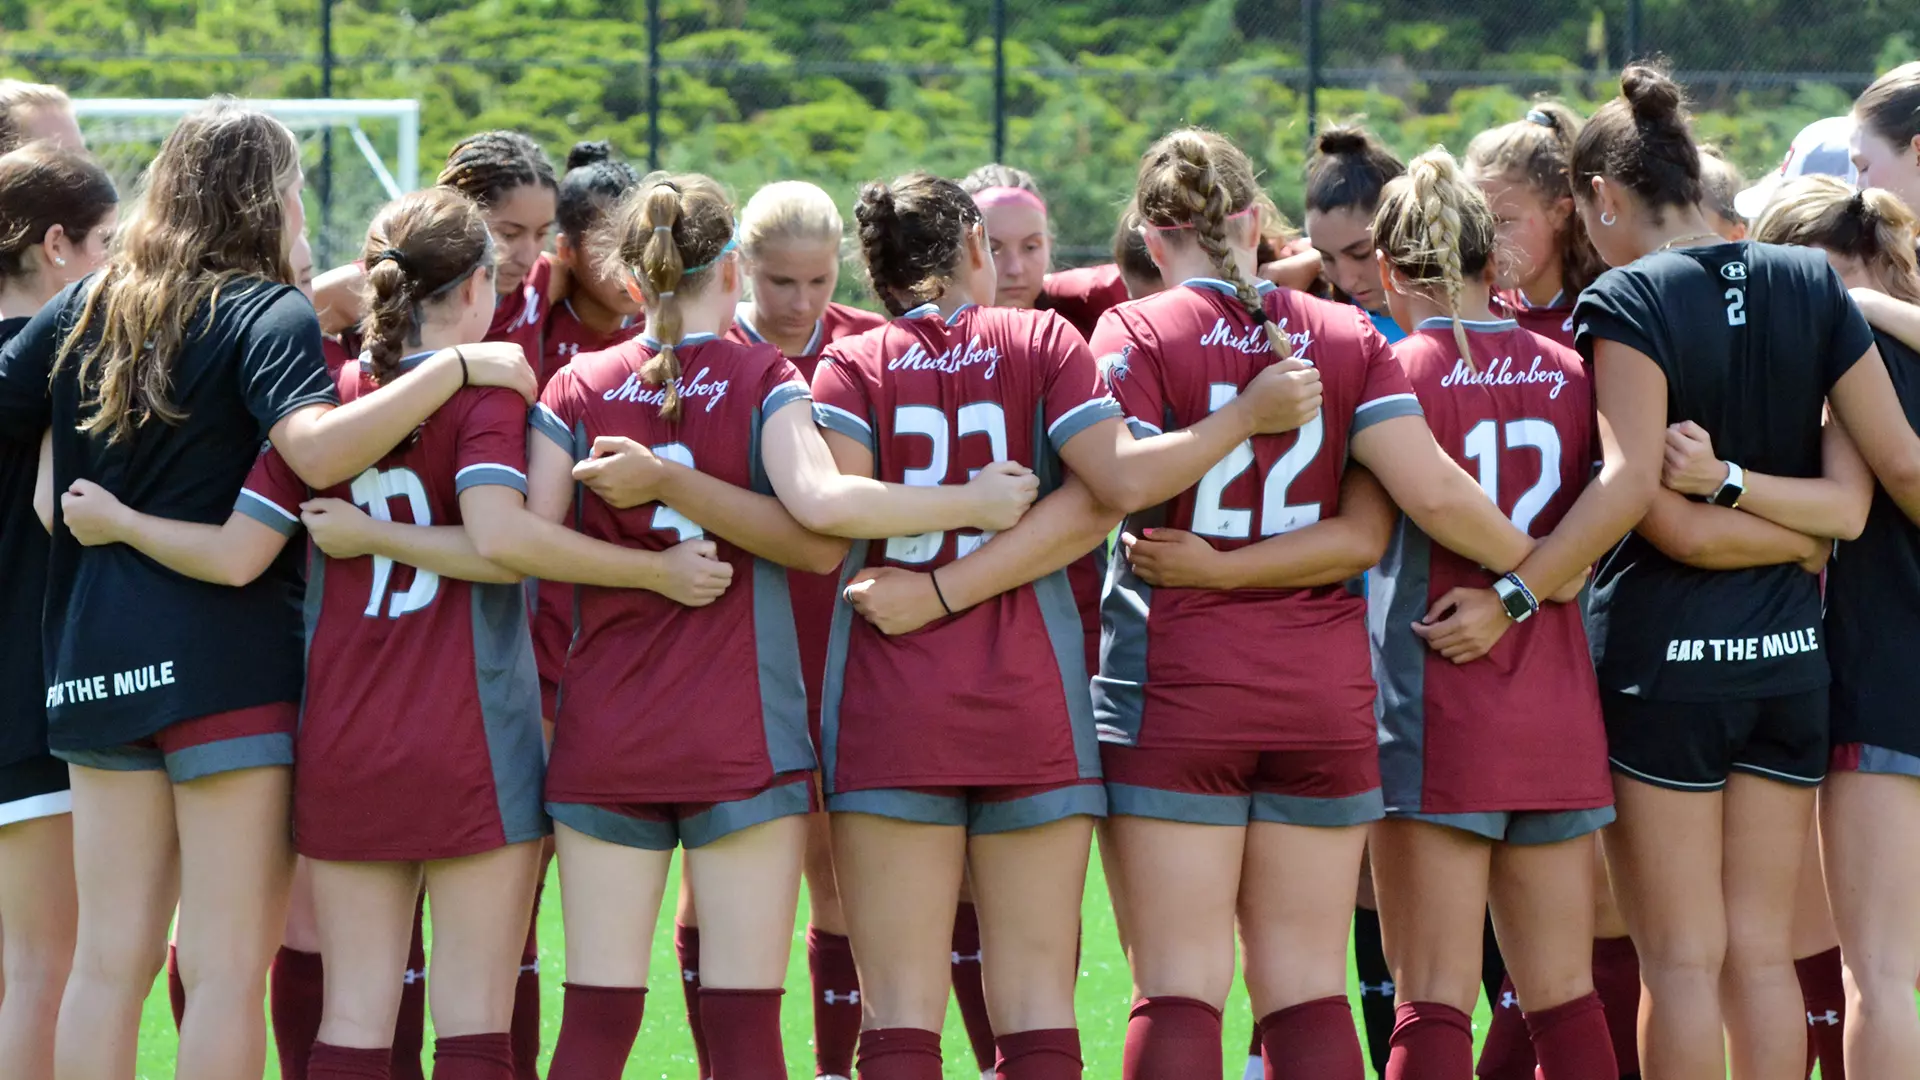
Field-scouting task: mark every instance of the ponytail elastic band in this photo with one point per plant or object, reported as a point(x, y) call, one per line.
point(668, 229)
point(1251, 207)
point(988, 198)
point(392, 255)
point(1544, 119)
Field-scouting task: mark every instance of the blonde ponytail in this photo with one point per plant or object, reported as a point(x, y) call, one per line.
point(665, 224)
point(1436, 230)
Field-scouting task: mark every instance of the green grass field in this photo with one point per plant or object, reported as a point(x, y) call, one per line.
point(664, 1051)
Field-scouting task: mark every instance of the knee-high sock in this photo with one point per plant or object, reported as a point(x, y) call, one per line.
point(1313, 1040)
point(899, 1054)
point(1508, 1052)
point(1042, 1054)
point(968, 991)
point(1431, 1041)
point(410, 1026)
point(176, 989)
point(1826, 999)
point(743, 1033)
point(686, 947)
point(296, 989)
point(525, 1029)
point(344, 1063)
point(1493, 966)
point(1616, 978)
point(474, 1057)
point(836, 1002)
point(1572, 1041)
point(597, 1028)
point(1171, 1038)
point(1376, 986)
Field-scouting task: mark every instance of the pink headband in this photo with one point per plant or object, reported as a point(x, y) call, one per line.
point(1251, 207)
point(988, 198)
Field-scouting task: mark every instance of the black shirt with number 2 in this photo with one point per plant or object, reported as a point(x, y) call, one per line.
point(1750, 337)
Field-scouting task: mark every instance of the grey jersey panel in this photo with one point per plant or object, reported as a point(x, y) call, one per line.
point(1397, 598)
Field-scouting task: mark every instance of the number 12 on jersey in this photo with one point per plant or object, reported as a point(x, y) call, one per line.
point(1483, 448)
point(1277, 516)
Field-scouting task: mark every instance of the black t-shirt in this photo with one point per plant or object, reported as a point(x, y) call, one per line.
point(131, 646)
point(23, 591)
point(1873, 605)
point(1750, 337)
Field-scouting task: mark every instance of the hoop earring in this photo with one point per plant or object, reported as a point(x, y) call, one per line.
point(1607, 218)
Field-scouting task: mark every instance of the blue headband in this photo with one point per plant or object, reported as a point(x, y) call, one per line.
point(732, 243)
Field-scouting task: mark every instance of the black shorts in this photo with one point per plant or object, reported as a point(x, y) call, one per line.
point(1694, 745)
point(34, 788)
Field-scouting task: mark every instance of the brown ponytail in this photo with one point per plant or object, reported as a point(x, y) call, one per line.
point(420, 248)
point(1538, 151)
point(671, 231)
point(1195, 180)
point(1873, 226)
point(1436, 229)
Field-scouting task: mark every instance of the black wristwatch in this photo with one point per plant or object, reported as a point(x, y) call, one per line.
point(1730, 490)
point(1514, 595)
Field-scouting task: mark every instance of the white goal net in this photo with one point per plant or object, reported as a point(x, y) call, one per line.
point(358, 154)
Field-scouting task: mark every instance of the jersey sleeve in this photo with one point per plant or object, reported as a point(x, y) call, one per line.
point(1386, 392)
point(283, 364)
point(559, 409)
point(840, 401)
point(1850, 336)
point(1614, 309)
point(26, 363)
point(493, 442)
point(272, 494)
point(782, 387)
point(1075, 394)
point(1131, 376)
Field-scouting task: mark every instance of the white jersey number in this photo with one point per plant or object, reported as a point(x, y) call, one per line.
point(370, 491)
point(1276, 514)
point(1736, 307)
point(1483, 448)
point(666, 518)
point(981, 418)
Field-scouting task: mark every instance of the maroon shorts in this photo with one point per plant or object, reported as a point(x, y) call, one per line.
point(663, 826)
point(980, 810)
point(1320, 787)
point(205, 745)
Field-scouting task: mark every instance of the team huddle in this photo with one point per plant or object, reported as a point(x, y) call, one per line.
point(1494, 577)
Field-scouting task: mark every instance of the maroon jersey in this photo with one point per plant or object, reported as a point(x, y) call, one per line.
point(1519, 729)
point(664, 703)
point(337, 353)
point(1241, 669)
point(996, 695)
point(1082, 295)
point(420, 730)
point(1553, 321)
point(518, 316)
point(812, 594)
point(563, 338)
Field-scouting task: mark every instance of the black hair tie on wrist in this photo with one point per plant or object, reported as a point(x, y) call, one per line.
point(462, 357)
point(934, 576)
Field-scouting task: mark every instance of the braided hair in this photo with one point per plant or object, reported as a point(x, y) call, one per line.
point(420, 248)
point(913, 236)
point(1436, 230)
point(487, 166)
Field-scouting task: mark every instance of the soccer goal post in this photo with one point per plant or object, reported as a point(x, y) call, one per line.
point(374, 143)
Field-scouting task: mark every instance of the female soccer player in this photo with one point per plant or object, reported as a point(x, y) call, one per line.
point(1868, 236)
point(1345, 176)
point(596, 313)
point(1494, 769)
point(1707, 631)
point(1720, 181)
point(57, 211)
point(456, 801)
point(33, 111)
point(1019, 230)
point(1886, 139)
point(179, 743)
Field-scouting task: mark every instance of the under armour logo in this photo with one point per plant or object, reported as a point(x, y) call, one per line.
point(1384, 989)
point(567, 348)
point(530, 969)
point(414, 975)
point(689, 974)
point(1829, 1018)
point(851, 997)
point(1508, 1000)
point(966, 958)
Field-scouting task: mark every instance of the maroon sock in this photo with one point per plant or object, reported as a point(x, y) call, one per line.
point(342, 1063)
point(743, 1033)
point(410, 1025)
point(1430, 1041)
point(1253, 1048)
point(968, 992)
point(296, 988)
point(1170, 1038)
point(686, 946)
point(836, 1002)
point(597, 1028)
point(1045, 1054)
point(1826, 998)
point(1508, 1051)
point(526, 1002)
point(473, 1057)
point(176, 990)
point(1314, 1040)
point(899, 1054)
point(1572, 1041)
point(1616, 978)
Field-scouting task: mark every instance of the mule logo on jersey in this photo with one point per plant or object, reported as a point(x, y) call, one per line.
point(1500, 373)
point(1734, 271)
point(1255, 339)
point(1115, 365)
point(950, 361)
point(636, 389)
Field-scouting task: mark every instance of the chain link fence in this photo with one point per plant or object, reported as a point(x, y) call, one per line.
point(841, 91)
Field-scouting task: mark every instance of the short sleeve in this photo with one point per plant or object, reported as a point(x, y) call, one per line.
point(781, 387)
point(1131, 373)
point(1386, 392)
point(283, 362)
point(1849, 336)
point(272, 494)
point(839, 400)
point(26, 364)
point(559, 409)
point(1075, 395)
point(493, 442)
point(1615, 308)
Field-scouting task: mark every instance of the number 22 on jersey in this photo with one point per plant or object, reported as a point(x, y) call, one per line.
point(1211, 518)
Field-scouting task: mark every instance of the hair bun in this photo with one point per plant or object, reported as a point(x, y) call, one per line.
point(875, 204)
point(1652, 95)
point(1342, 140)
point(589, 153)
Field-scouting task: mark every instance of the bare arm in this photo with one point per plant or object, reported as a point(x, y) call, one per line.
point(1865, 402)
point(829, 499)
point(232, 554)
point(1720, 538)
point(1833, 505)
point(1324, 553)
point(1437, 494)
point(337, 298)
point(1889, 316)
point(344, 531)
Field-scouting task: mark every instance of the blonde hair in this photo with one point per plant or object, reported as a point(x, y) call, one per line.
point(1873, 226)
point(210, 212)
point(1436, 229)
point(786, 211)
point(17, 97)
point(671, 231)
point(1194, 179)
